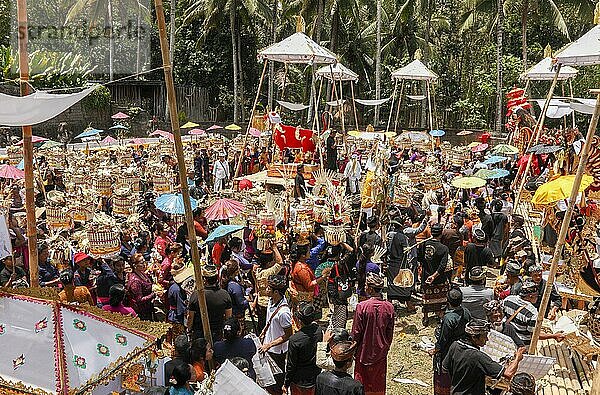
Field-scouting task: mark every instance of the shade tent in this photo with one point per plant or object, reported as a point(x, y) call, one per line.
point(337, 72)
point(585, 51)
point(414, 71)
point(38, 107)
point(544, 70)
point(298, 48)
point(556, 108)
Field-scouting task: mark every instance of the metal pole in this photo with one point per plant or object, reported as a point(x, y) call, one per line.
point(27, 148)
point(537, 132)
point(239, 164)
point(566, 222)
point(172, 102)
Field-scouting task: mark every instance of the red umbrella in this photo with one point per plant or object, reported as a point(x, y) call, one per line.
point(223, 209)
point(199, 132)
point(120, 115)
point(480, 148)
point(8, 171)
point(34, 139)
point(163, 133)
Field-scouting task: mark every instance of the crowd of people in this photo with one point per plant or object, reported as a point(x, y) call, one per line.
point(299, 294)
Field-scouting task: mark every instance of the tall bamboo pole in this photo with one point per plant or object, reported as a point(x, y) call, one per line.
point(172, 102)
point(238, 167)
point(536, 134)
point(27, 147)
point(354, 104)
point(387, 128)
point(585, 153)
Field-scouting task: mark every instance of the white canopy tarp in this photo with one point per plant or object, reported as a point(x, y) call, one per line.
point(292, 106)
point(38, 107)
point(585, 51)
point(556, 109)
point(366, 102)
point(416, 97)
point(298, 48)
point(545, 71)
point(415, 70)
point(584, 106)
point(335, 103)
point(337, 72)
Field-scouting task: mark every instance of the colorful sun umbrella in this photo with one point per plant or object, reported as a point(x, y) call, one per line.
point(437, 133)
point(215, 127)
point(8, 171)
point(480, 147)
point(559, 189)
point(255, 132)
point(492, 160)
point(89, 132)
point(468, 182)
point(120, 115)
point(137, 141)
point(172, 203)
point(222, 231)
point(34, 140)
point(499, 173)
point(50, 144)
point(197, 132)
point(163, 133)
point(464, 133)
point(233, 127)
point(483, 173)
point(189, 125)
point(109, 139)
point(544, 149)
point(473, 144)
point(505, 149)
point(224, 209)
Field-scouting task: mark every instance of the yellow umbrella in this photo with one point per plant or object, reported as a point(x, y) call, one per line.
point(558, 189)
point(473, 144)
point(354, 133)
point(189, 125)
point(468, 182)
point(233, 126)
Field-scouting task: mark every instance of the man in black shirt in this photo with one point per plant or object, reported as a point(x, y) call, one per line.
point(487, 223)
point(371, 236)
point(338, 381)
point(218, 303)
point(180, 356)
point(468, 365)
point(477, 254)
point(299, 185)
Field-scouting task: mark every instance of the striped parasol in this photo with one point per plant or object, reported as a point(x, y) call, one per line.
point(224, 209)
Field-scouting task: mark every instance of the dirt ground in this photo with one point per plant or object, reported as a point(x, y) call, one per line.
point(405, 360)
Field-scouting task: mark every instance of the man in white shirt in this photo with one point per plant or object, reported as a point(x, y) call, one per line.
point(220, 172)
point(352, 173)
point(278, 328)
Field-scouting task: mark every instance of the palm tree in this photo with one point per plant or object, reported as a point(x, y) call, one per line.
point(499, 65)
point(212, 12)
point(378, 60)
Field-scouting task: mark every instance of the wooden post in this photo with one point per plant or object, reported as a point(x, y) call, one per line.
point(238, 168)
point(585, 152)
point(27, 148)
point(430, 116)
point(354, 105)
point(536, 134)
point(398, 105)
point(571, 96)
point(387, 128)
point(171, 99)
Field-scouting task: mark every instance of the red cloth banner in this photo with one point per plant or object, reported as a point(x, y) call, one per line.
point(293, 137)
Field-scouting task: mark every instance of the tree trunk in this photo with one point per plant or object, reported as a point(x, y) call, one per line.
point(138, 50)
point(378, 62)
point(426, 36)
point(241, 73)
point(234, 51)
point(499, 66)
point(272, 64)
point(335, 27)
point(111, 42)
point(524, 14)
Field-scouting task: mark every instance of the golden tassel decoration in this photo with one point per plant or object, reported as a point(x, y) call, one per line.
point(548, 51)
point(300, 24)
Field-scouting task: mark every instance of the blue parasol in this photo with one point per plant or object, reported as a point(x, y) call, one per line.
point(89, 132)
point(498, 173)
point(492, 160)
point(172, 203)
point(222, 231)
point(437, 133)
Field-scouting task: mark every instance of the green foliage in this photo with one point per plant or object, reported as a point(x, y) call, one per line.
point(99, 99)
point(5, 9)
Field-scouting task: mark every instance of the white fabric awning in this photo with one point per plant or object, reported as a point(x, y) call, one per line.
point(335, 103)
point(38, 107)
point(556, 109)
point(415, 70)
point(337, 72)
point(584, 106)
point(585, 51)
point(292, 106)
point(416, 97)
point(298, 48)
point(545, 71)
point(366, 102)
